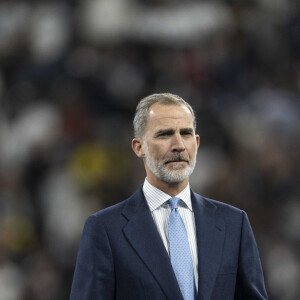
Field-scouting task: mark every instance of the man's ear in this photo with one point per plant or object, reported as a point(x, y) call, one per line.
point(137, 147)
point(198, 140)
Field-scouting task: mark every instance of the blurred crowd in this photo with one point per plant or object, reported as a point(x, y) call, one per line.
point(71, 74)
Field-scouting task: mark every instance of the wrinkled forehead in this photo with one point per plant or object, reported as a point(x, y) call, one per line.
point(160, 115)
point(168, 109)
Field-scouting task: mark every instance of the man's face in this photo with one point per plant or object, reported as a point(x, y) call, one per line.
point(170, 144)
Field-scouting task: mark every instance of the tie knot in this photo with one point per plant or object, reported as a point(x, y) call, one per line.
point(174, 202)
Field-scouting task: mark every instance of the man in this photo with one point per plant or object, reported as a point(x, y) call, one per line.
point(165, 241)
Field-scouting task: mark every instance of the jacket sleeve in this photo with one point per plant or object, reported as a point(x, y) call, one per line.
point(94, 271)
point(250, 280)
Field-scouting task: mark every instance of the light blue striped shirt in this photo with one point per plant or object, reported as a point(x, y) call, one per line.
point(160, 210)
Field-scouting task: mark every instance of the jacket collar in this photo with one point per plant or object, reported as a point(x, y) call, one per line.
point(210, 233)
point(143, 236)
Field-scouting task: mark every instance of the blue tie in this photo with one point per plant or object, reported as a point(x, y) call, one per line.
point(180, 254)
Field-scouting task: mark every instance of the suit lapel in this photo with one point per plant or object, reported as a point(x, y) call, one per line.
point(143, 236)
point(210, 234)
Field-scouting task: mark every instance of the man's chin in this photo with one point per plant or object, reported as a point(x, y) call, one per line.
point(174, 179)
point(175, 175)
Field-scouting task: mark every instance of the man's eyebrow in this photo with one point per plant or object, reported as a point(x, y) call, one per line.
point(186, 130)
point(164, 131)
point(170, 131)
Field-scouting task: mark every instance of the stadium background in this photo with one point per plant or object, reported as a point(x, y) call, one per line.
point(71, 73)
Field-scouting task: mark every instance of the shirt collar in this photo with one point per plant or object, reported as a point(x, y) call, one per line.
point(155, 197)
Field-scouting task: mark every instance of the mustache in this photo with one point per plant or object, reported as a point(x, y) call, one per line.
point(177, 158)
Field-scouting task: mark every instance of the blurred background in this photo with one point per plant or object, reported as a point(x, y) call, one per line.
point(71, 74)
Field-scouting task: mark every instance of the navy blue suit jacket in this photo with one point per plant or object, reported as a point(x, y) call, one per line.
point(122, 256)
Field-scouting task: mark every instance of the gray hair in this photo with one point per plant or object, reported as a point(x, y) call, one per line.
point(141, 114)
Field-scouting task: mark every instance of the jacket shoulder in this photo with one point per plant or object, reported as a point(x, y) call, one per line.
point(225, 206)
point(220, 209)
point(119, 211)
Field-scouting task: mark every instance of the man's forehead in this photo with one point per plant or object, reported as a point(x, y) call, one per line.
point(161, 111)
point(169, 117)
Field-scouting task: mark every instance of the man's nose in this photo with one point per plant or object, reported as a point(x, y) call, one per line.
point(178, 144)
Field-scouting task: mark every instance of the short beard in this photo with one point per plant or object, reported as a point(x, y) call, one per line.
point(176, 174)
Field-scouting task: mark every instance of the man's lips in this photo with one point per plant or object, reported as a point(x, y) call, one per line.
point(172, 160)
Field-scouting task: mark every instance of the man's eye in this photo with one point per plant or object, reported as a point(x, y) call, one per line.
point(164, 133)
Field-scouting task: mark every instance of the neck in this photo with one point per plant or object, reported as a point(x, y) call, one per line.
point(171, 189)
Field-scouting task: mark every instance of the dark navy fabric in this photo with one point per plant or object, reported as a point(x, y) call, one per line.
point(122, 256)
